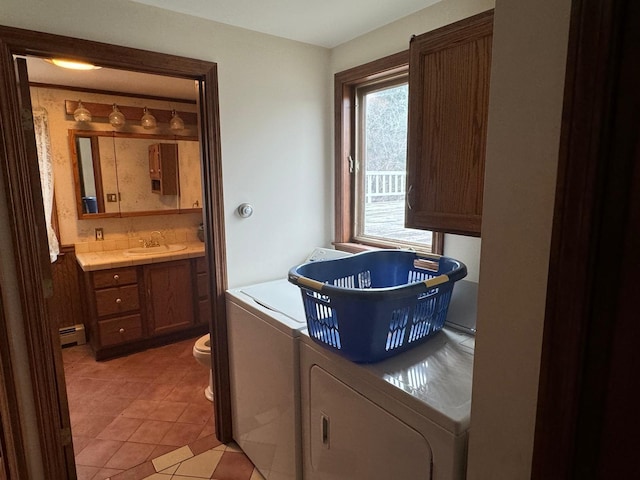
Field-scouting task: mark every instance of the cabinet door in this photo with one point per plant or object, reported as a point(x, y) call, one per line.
point(163, 168)
point(169, 296)
point(154, 161)
point(448, 96)
point(352, 438)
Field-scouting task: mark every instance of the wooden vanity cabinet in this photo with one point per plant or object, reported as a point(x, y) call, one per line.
point(169, 294)
point(134, 308)
point(449, 70)
point(163, 168)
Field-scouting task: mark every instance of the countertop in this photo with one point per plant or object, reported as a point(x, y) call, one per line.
point(117, 258)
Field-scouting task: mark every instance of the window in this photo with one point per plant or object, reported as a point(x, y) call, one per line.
point(371, 147)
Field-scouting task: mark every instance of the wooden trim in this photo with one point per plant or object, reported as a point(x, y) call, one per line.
point(344, 132)
point(147, 136)
point(25, 215)
point(132, 114)
point(98, 91)
point(11, 439)
point(344, 124)
point(213, 214)
point(32, 261)
point(587, 366)
point(97, 174)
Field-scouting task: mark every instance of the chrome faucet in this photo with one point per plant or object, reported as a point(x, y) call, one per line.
point(153, 240)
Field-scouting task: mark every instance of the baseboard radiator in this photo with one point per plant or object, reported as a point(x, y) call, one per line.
point(74, 334)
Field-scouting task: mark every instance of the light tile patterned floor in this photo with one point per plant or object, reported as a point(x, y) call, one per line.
point(139, 416)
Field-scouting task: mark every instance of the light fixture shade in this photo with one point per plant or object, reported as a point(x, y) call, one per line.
point(148, 121)
point(116, 118)
point(72, 64)
point(176, 123)
point(81, 114)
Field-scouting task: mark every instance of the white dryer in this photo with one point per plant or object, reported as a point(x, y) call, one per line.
point(404, 418)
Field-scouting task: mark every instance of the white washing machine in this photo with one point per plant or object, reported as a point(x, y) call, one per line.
point(264, 322)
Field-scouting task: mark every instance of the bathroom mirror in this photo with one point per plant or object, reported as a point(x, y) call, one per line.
point(112, 174)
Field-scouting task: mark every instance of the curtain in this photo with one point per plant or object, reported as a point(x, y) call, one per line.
point(45, 162)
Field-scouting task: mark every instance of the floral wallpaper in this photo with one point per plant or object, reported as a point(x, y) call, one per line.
point(130, 161)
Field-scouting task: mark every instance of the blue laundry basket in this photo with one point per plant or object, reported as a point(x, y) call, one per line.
point(373, 305)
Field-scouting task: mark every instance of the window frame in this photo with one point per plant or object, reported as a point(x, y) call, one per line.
point(345, 85)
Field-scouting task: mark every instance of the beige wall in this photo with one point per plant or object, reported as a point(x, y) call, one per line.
point(525, 107)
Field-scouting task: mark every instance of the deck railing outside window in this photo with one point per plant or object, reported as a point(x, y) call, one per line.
point(381, 184)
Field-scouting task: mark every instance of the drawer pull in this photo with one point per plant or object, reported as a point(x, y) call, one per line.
point(118, 300)
point(116, 277)
point(121, 330)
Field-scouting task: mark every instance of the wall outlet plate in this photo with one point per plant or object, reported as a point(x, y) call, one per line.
point(112, 197)
point(99, 234)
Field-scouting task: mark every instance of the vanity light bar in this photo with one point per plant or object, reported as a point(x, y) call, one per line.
point(102, 110)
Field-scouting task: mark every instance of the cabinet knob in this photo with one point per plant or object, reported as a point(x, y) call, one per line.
point(151, 171)
point(118, 300)
point(116, 277)
point(121, 330)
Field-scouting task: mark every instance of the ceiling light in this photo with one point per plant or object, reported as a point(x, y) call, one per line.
point(148, 121)
point(116, 118)
point(72, 64)
point(81, 114)
point(176, 123)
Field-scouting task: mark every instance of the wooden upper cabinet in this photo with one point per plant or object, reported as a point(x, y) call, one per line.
point(449, 71)
point(163, 168)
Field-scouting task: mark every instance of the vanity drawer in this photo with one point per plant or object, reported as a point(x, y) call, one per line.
point(120, 330)
point(110, 301)
point(114, 277)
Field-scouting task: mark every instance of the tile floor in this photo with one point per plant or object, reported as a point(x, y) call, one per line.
point(145, 416)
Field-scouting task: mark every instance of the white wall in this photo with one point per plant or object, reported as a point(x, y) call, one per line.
point(525, 107)
point(274, 108)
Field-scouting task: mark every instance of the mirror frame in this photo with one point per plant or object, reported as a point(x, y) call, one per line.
point(94, 134)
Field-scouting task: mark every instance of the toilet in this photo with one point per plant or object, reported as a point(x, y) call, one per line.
point(202, 353)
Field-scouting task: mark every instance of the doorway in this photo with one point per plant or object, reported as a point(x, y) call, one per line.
point(30, 245)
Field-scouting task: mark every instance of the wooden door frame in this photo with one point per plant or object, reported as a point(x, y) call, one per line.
point(11, 438)
point(587, 411)
point(24, 215)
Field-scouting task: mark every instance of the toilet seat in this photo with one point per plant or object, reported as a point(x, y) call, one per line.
point(203, 344)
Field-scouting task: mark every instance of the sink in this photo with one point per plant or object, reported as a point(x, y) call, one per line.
point(139, 251)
